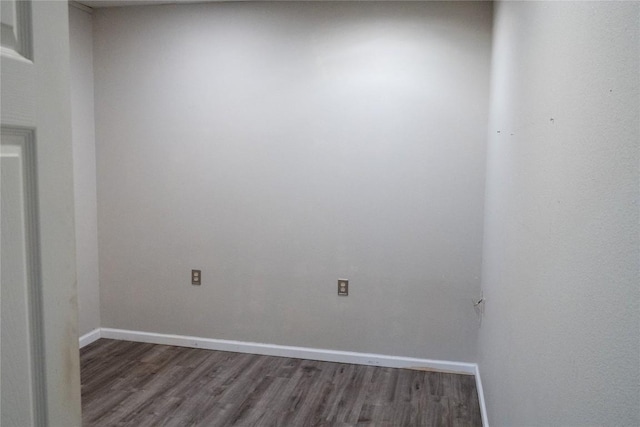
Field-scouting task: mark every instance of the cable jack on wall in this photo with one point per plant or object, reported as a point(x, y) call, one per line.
point(478, 306)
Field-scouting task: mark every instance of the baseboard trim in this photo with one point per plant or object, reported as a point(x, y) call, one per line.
point(289, 351)
point(483, 407)
point(90, 337)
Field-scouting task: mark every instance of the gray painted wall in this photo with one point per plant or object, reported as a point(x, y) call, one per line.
point(84, 168)
point(560, 341)
point(281, 146)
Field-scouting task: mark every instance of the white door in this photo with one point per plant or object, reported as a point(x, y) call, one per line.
point(39, 366)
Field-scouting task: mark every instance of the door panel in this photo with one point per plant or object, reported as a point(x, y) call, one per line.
point(21, 363)
point(15, 24)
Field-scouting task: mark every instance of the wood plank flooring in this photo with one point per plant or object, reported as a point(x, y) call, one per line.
point(136, 384)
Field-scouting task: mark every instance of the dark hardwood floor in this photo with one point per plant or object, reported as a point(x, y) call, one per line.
point(135, 384)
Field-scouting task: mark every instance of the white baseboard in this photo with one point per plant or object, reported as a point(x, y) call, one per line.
point(288, 351)
point(483, 407)
point(90, 337)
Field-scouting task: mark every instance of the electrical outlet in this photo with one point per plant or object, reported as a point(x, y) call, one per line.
point(196, 277)
point(343, 287)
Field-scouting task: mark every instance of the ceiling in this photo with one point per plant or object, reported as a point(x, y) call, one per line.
point(118, 3)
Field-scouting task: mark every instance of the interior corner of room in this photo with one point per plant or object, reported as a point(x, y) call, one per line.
point(471, 168)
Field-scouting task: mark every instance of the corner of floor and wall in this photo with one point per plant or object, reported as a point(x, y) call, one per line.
point(278, 147)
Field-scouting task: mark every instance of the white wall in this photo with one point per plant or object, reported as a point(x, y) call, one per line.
point(84, 168)
point(281, 146)
point(560, 341)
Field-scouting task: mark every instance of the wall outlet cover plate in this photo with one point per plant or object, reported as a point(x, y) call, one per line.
point(196, 277)
point(343, 287)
